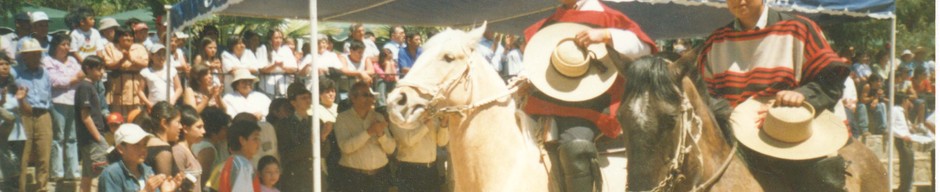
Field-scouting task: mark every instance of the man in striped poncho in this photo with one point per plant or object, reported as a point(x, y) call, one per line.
point(775, 59)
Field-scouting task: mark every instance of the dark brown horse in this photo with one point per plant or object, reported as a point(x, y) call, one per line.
point(675, 144)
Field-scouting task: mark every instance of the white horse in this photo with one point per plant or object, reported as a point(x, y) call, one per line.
point(490, 144)
point(489, 149)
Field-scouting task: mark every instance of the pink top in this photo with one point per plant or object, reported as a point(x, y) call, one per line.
point(60, 75)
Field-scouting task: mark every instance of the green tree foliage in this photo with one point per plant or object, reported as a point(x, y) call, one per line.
point(915, 27)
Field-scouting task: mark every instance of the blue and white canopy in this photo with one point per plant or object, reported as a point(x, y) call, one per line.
point(659, 18)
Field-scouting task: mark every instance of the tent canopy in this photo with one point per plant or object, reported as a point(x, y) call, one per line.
point(144, 15)
point(56, 17)
point(659, 18)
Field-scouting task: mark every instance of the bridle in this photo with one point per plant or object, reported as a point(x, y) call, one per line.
point(689, 137)
point(441, 92)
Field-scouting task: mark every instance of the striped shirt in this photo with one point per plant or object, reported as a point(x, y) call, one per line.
point(790, 53)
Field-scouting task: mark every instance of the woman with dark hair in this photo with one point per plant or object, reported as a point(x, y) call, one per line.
point(278, 66)
point(192, 132)
point(165, 127)
point(201, 93)
point(64, 73)
point(125, 59)
point(212, 149)
point(236, 57)
point(209, 57)
point(279, 110)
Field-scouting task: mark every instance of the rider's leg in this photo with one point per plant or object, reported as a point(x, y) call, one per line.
point(576, 151)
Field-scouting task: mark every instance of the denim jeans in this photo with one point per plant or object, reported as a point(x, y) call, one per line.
point(858, 120)
point(878, 117)
point(64, 157)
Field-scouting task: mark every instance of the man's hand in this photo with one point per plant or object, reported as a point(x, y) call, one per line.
point(378, 128)
point(790, 98)
point(592, 36)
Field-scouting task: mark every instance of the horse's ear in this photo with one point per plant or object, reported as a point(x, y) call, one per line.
point(477, 34)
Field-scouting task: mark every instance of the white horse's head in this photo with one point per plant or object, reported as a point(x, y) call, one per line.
point(446, 59)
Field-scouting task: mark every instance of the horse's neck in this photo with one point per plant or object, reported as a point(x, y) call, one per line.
point(487, 141)
point(714, 148)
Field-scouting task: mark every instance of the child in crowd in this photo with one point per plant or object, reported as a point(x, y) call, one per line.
point(156, 77)
point(192, 132)
point(237, 172)
point(90, 131)
point(130, 173)
point(269, 171)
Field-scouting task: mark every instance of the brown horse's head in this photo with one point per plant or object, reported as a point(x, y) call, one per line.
point(648, 116)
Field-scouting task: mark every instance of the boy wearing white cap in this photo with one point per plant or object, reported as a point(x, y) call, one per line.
point(86, 40)
point(130, 173)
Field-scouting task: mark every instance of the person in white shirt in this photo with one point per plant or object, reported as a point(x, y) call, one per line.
point(276, 74)
point(902, 142)
point(86, 40)
point(512, 62)
point(365, 143)
point(244, 100)
point(417, 156)
point(492, 50)
point(156, 77)
point(396, 41)
point(358, 33)
point(237, 58)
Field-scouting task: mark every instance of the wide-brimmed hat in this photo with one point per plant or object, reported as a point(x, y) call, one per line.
point(107, 23)
point(561, 69)
point(794, 133)
point(30, 45)
point(242, 74)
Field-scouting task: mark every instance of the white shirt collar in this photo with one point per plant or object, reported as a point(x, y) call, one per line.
point(762, 21)
point(589, 5)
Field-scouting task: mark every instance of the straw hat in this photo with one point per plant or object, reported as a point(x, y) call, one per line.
point(107, 23)
point(564, 71)
point(793, 133)
point(242, 74)
point(30, 45)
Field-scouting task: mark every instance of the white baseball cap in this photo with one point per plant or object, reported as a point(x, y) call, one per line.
point(38, 16)
point(156, 48)
point(129, 133)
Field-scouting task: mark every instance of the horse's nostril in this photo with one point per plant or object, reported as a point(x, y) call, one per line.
point(403, 100)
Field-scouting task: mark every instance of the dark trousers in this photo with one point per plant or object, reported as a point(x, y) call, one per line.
point(418, 177)
point(906, 155)
point(353, 180)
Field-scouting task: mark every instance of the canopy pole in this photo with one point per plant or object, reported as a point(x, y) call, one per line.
point(167, 63)
point(315, 81)
point(891, 71)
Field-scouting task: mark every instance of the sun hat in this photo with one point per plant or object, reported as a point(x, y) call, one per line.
point(30, 45)
point(562, 70)
point(242, 74)
point(793, 133)
point(38, 16)
point(129, 133)
point(107, 23)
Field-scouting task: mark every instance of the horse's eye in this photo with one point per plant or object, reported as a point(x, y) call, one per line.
point(449, 58)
